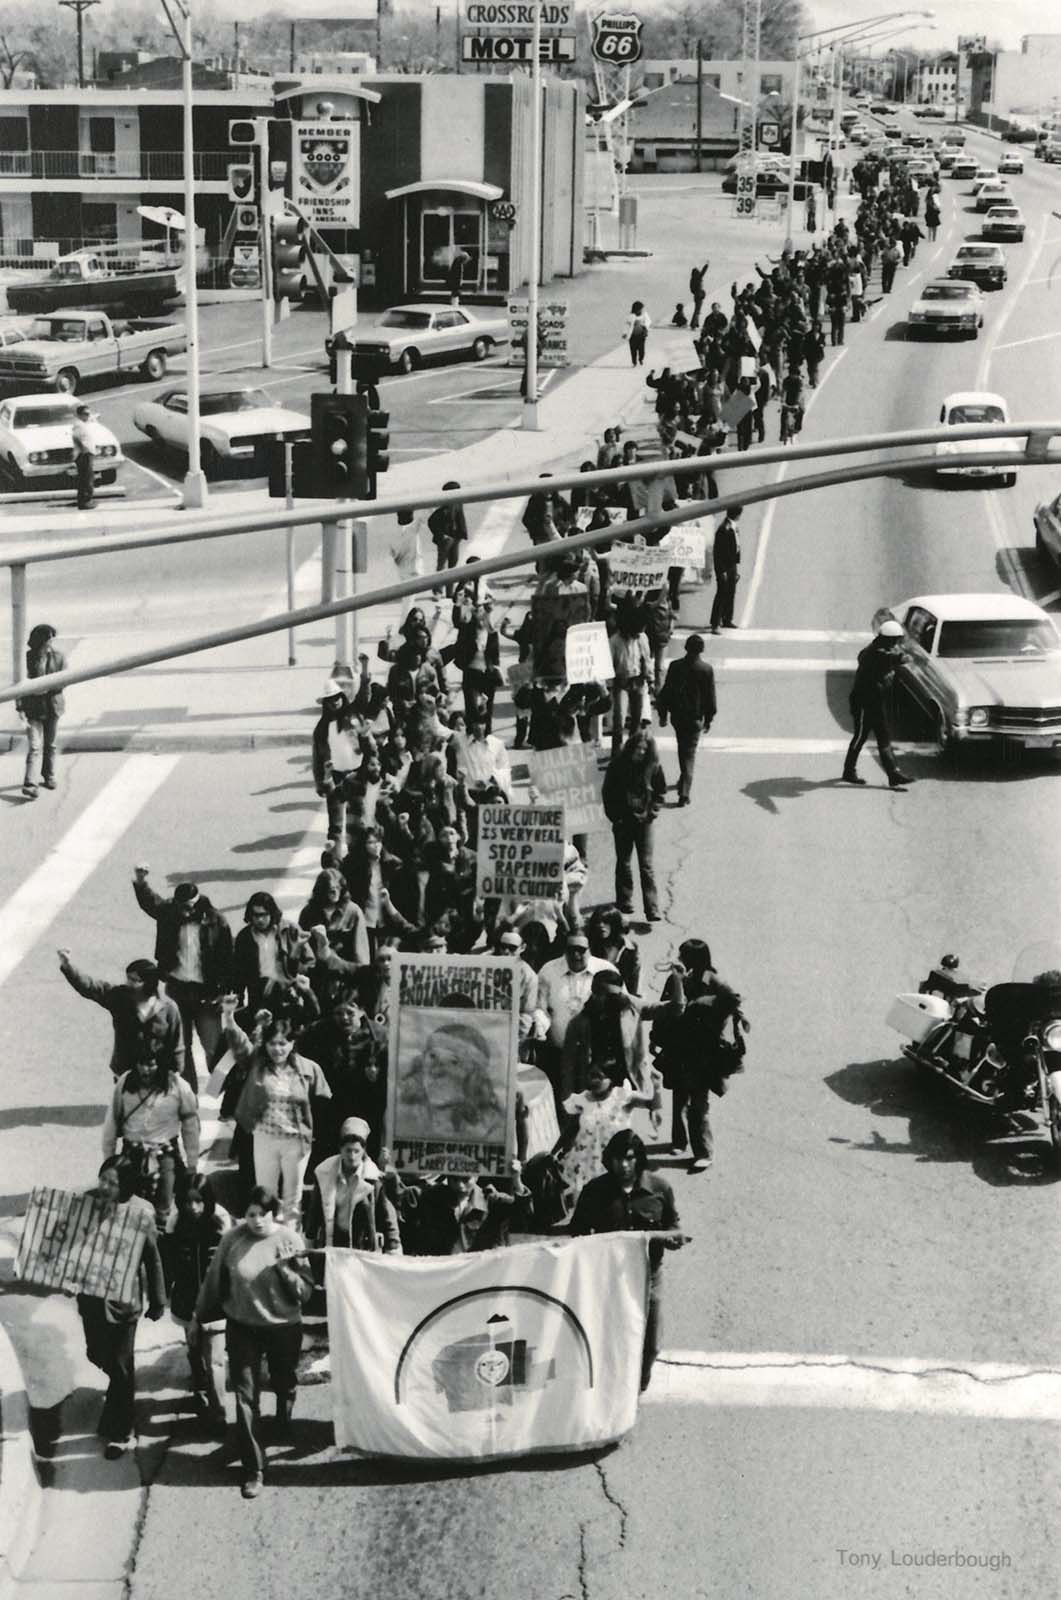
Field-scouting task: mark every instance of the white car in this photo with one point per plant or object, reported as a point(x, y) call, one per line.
point(973, 406)
point(1003, 222)
point(1011, 162)
point(995, 192)
point(233, 423)
point(986, 668)
point(36, 440)
point(406, 336)
point(948, 305)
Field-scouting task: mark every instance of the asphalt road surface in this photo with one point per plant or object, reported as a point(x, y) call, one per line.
point(861, 1344)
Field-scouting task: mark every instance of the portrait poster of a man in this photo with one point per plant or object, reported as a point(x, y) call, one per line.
point(454, 1042)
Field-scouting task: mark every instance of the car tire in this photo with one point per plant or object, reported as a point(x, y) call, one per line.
point(1040, 542)
point(154, 366)
point(18, 477)
point(67, 380)
point(110, 476)
point(1009, 480)
point(209, 460)
point(941, 735)
point(480, 349)
point(408, 361)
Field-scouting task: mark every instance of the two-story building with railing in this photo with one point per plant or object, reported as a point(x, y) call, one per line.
point(75, 164)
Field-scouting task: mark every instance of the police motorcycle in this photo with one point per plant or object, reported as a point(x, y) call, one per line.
point(998, 1048)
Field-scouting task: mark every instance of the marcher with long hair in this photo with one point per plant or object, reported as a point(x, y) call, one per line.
point(147, 1024)
point(275, 1104)
point(41, 712)
point(609, 937)
point(632, 794)
point(269, 952)
point(692, 1053)
point(636, 332)
point(258, 1280)
point(110, 1325)
point(153, 1113)
point(189, 1249)
point(627, 1198)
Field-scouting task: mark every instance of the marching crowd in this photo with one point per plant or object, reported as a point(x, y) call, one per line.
point(290, 1013)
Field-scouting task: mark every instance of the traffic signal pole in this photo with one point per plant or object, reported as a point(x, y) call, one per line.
point(195, 490)
point(345, 580)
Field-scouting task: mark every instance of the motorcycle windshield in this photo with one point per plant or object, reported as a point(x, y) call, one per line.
point(1044, 956)
point(1032, 995)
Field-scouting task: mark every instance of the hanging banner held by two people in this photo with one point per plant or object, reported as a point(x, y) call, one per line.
point(454, 1037)
point(326, 173)
point(82, 1245)
point(520, 853)
point(536, 1347)
point(570, 777)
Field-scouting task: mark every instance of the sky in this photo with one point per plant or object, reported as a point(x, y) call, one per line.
point(1001, 21)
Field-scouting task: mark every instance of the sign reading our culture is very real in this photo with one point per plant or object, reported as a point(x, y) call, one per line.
point(326, 173)
point(521, 852)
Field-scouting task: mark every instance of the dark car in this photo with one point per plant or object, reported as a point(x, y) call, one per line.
point(1019, 136)
point(767, 183)
point(984, 264)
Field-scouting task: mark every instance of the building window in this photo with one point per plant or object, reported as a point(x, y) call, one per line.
point(770, 83)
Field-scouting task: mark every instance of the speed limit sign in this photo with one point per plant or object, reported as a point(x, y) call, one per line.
point(617, 38)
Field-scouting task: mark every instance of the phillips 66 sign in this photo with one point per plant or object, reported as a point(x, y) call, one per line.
point(617, 38)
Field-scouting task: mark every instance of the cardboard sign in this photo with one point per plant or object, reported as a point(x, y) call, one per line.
point(639, 571)
point(82, 1245)
point(520, 853)
point(736, 406)
point(454, 1035)
point(687, 545)
point(569, 777)
point(587, 654)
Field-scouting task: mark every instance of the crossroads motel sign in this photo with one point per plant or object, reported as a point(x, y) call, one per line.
point(503, 31)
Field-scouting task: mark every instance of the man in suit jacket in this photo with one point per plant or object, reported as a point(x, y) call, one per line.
point(726, 559)
point(688, 698)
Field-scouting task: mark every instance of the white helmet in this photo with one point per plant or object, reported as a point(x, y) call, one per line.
point(891, 629)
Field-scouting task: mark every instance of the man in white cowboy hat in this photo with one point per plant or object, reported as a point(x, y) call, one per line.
point(337, 752)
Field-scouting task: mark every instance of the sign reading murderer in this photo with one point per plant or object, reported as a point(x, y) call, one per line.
point(454, 1035)
point(521, 852)
point(82, 1245)
point(326, 173)
point(569, 776)
point(587, 654)
point(639, 571)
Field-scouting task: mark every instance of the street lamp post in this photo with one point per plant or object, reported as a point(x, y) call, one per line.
point(195, 491)
point(530, 384)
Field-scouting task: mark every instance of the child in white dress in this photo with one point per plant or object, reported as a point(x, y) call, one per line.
point(602, 1109)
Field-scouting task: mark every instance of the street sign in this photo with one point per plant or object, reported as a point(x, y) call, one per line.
point(517, 48)
point(769, 134)
point(240, 180)
point(326, 173)
point(247, 219)
point(617, 38)
point(246, 255)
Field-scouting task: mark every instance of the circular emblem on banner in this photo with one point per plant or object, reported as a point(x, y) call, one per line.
point(492, 1367)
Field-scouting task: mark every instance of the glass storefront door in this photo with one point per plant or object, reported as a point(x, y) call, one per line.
point(442, 229)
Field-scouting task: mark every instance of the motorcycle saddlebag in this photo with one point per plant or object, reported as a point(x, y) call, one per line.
point(915, 1015)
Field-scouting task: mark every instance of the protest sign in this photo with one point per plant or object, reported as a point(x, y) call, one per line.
point(569, 777)
point(472, 1357)
point(451, 1094)
point(686, 545)
point(638, 571)
point(736, 406)
point(587, 654)
point(82, 1245)
point(520, 853)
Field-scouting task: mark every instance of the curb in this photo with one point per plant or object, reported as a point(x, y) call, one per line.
point(123, 741)
point(21, 1493)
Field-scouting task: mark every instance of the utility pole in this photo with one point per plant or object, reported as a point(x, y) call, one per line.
point(291, 48)
point(79, 7)
point(530, 400)
point(699, 104)
point(235, 45)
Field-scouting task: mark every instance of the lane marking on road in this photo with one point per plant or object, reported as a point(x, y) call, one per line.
point(1038, 338)
point(802, 635)
point(995, 333)
point(724, 664)
point(999, 1390)
point(495, 392)
point(766, 526)
point(171, 485)
point(756, 746)
point(36, 903)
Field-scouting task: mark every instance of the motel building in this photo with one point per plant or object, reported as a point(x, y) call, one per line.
point(441, 160)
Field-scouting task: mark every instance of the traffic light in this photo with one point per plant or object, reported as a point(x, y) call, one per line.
point(376, 448)
point(339, 445)
point(289, 253)
point(242, 130)
point(241, 181)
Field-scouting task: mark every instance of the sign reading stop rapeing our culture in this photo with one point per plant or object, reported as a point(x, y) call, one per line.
point(520, 853)
point(451, 1092)
point(82, 1245)
point(326, 173)
point(570, 777)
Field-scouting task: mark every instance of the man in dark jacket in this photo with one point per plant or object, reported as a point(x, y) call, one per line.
point(628, 1199)
point(874, 678)
point(632, 794)
point(193, 951)
point(726, 560)
point(449, 530)
point(147, 1025)
point(688, 699)
point(696, 289)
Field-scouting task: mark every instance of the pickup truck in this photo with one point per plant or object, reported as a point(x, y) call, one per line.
point(63, 350)
point(86, 278)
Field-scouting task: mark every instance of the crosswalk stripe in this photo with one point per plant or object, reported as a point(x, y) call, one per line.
point(781, 747)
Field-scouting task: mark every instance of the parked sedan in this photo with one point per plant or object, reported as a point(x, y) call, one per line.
point(407, 336)
point(1019, 136)
point(947, 306)
point(36, 441)
point(1048, 529)
point(233, 424)
point(1003, 222)
point(968, 407)
point(984, 264)
point(986, 668)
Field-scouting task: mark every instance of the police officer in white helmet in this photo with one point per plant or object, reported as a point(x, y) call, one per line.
point(874, 679)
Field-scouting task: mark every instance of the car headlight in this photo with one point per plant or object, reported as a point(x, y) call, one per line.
point(108, 450)
point(917, 316)
point(1052, 1036)
point(979, 717)
point(37, 456)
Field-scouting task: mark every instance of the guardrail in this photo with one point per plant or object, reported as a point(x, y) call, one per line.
point(1037, 452)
